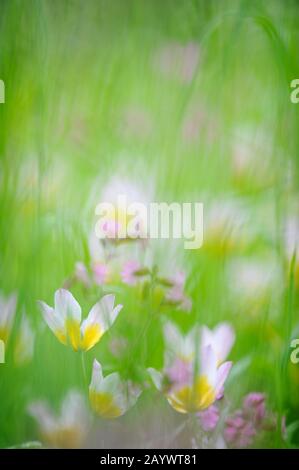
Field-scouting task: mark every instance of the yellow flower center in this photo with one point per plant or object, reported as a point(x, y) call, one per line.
point(73, 333)
point(189, 399)
point(104, 405)
point(65, 438)
point(92, 335)
point(4, 333)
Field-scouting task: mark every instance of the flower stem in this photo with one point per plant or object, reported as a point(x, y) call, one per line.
point(84, 369)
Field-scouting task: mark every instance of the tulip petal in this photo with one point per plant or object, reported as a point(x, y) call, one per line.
point(73, 410)
point(66, 306)
point(221, 339)
point(54, 321)
point(224, 338)
point(97, 375)
point(100, 318)
point(178, 344)
point(103, 393)
point(222, 374)
point(208, 364)
point(110, 396)
point(41, 412)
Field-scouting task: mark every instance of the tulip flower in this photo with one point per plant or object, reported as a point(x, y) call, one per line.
point(118, 222)
point(66, 430)
point(110, 396)
point(221, 339)
point(65, 320)
point(7, 315)
point(192, 379)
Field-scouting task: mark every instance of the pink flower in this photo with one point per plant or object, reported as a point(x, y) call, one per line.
point(254, 407)
point(100, 273)
point(176, 293)
point(81, 274)
point(209, 418)
point(128, 272)
point(251, 421)
point(239, 432)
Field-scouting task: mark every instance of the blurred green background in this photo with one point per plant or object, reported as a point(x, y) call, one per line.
point(190, 96)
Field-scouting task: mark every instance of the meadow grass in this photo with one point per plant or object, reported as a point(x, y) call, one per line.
point(73, 72)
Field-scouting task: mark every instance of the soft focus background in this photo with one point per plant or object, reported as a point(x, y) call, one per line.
point(188, 101)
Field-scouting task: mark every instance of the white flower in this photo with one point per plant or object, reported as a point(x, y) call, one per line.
point(69, 428)
point(110, 396)
point(192, 379)
point(65, 319)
